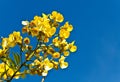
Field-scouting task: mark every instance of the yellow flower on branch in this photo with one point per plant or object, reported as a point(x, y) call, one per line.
point(68, 27)
point(63, 65)
point(42, 57)
point(73, 48)
point(57, 16)
point(66, 53)
point(34, 31)
point(64, 33)
point(4, 43)
point(26, 40)
point(47, 64)
point(56, 55)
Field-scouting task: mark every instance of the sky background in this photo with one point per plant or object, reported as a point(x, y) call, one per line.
point(96, 31)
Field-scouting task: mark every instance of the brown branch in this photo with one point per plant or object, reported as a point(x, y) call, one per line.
point(17, 71)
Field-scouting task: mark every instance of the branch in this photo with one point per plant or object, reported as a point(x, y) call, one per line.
point(43, 79)
point(17, 71)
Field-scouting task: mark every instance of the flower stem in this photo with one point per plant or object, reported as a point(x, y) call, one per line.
point(43, 79)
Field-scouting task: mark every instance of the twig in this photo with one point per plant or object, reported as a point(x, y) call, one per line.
point(17, 71)
point(43, 79)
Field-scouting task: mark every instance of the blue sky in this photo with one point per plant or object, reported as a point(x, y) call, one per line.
point(96, 31)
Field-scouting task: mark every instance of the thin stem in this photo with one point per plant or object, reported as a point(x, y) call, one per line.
point(22, 65)
point(43, 79)
point(17, 71)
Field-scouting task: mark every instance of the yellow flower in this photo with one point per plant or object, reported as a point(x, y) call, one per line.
point(25, 29)
point(55, 40)
point(4, 43)
point(66, 53)
point(1, 52)
point(26, 40)
point(45, 17)
point(37, 62)
point(46, 40)
point(14, 38)
point(5, 76)
point(2, 67)
point(64, 65)
point(10, 72)
point(12, 41)
point(38, 50)
point(55, 64)
point(17, 37)
point(56, 55)
point(34, 31)
point(47, 64)
point(52, 31)
point(50, 50)
point(37, 20)
point(57, 16)
point(67, 26)
point(73, 48)
point(17, 76)
point(64, 34)
point(62, 59)
point(49, 31)
point(44, 73)
point(66, 47)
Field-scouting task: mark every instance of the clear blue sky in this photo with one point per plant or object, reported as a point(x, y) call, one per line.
point(96, 31)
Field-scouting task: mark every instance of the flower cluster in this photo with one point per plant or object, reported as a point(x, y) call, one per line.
point(50, 51)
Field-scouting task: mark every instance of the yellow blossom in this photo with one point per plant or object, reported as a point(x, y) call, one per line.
point(56, 55)
point(66, 53)
point(11, 40)
point(44, 56)
point(17, 76)
point(57, 16)
point(64, 34)
point(55, 41)
point(17, 37)
point(52, 31)
point(2, 67)
point(4, 43)
point(34, 31)
point(63, 65)
point(1, 52)
point(26, 40)
point(37, 20)
point(46, 40)
point(37, 62)
point(68, 27)
point(73, 48)
point(25, 29)
point(62, 59)
point(44, 73)
point(47, 64)
point(66, 47)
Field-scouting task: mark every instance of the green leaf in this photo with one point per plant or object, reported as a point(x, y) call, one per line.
point(16, 58)
point(12, 63)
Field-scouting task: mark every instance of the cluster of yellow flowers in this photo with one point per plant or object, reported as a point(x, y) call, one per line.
point(11, 41)
point(10, 71)
point(47, 54)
